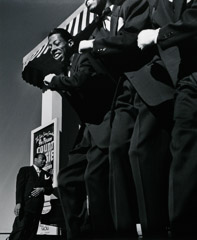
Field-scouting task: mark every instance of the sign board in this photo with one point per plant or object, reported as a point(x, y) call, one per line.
point(45, 139)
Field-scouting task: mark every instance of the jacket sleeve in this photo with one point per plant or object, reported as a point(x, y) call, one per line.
point(135, 15)
point(185, 28)
point(20, 185)
point(79, 75)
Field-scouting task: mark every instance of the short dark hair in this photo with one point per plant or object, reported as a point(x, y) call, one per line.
point(64, 33)
point(38, 154)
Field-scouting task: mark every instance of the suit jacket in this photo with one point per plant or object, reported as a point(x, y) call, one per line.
point(118, 49)
point(118, 52)
point(27, 179)
point(89, 91)
point(177, 50)
point(177, 41)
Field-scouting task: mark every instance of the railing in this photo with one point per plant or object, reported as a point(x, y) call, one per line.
point(73, 24)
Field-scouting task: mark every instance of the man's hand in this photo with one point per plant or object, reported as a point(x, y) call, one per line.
point(85, 46)
point(48, 78)
point(37, 191)
point(17, 209)
point(147, 37)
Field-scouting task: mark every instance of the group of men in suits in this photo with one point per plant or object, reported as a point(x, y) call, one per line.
point(133, 86)
point(103, 59)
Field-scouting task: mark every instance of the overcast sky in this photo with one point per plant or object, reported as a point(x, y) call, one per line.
point(23, 25)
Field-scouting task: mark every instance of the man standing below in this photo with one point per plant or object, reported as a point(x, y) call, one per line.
point(31, 186)
point(174, 34)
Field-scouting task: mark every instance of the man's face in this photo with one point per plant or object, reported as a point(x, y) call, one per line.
point(40, 161)
point(58, 47)
point(95, 6)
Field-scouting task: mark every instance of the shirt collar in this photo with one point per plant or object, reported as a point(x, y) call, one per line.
point(36, 168)
point(111, 7)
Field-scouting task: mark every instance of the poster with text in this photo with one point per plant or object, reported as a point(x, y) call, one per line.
point(45, 139)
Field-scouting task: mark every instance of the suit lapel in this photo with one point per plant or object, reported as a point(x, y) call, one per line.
point(42, 173)
point(34, 173)
point(40, 177)
point(74, 63)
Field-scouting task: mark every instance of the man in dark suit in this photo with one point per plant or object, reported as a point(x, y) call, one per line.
point(78, 81)
point(31, 186)
point(81, 83)
point(121, 53)
point(172, 76)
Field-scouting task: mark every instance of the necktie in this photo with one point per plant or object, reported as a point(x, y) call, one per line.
point(105, 18)
point(106, 12)
point(38, 172)
point(100, 19)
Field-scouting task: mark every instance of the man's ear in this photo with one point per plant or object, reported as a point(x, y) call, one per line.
point(70, 43)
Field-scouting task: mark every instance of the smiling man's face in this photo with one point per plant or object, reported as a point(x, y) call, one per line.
point(58, 47)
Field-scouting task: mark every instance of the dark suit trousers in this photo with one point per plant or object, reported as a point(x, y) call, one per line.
point(72, 190)
point(25, 227)
point(108, 175)
point(150, 157)
point(97, 185)
point(183, 171)
point(123, 200)
point(85, 175)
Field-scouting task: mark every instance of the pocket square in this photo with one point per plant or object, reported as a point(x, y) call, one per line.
point(46, 178)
